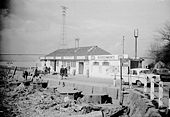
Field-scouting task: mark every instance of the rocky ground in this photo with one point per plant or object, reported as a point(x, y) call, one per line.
point(30, 99)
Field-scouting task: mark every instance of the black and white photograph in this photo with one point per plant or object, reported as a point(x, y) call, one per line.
point(84, 58)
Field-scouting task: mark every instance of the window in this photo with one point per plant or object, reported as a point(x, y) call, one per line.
point(64, 63)
point(95, 63)
point(144, 72)
point(52, 63)
point(57, 63)
point(73, 64)
point(134, 72)
point(68, 63)
point(105, 63)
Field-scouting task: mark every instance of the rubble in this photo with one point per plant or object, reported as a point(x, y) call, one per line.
point(33, 98)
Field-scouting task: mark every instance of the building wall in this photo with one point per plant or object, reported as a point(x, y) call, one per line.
point(105, 66)
point(103, 69)
point(91, 68)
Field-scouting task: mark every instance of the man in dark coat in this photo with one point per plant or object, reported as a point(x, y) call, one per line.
point(62, 72)
point(25, 74)
point(65, 72)
point(35, 72)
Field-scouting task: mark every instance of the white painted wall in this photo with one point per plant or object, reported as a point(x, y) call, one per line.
point(104, 71)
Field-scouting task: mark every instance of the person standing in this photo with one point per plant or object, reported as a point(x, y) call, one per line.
point(25, 75)
point(62, 71)
point(65, 72)
point(49, 69)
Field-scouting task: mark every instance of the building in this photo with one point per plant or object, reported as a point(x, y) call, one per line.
point(90, 61)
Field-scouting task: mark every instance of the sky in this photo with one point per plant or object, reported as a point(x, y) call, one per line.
point(35, 26)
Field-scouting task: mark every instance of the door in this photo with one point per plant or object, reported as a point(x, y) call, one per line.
point(81, 67)
point(134, 76)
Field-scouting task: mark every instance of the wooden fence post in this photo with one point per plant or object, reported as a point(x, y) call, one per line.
point(130, 81)
point(114, 81)
point(145, 85)
point(152, 89)
point(160, 93)
point(14, 72)
point(169, 101)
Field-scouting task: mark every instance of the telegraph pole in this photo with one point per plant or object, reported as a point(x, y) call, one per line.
point(63, 28)
point(120, 93)
point(136, 36)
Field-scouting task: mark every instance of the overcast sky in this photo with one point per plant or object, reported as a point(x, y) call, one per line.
point(35, 26)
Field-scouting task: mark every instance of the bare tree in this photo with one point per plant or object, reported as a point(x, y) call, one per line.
point(165, 32)
point(160, 50)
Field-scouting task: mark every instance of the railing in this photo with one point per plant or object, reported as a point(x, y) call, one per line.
point(161, 88)
point(160, 93)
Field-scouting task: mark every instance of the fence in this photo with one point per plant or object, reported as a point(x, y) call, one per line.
point(161, 89)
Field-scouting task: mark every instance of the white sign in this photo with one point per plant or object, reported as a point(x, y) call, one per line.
point(58, 57)
point(43, 57)
point(107, 57)
point(49, 57)
point(80, 57)
point(68, 57)
point(123, 56)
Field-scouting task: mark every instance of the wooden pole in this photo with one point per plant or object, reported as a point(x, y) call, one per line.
point(121, 96)
point(160, 93)
point(152, 89)
point(14, 72)
point(169, 101)
point(129, 78)
point(145, 85)
point(168, 111)
point(114, 81)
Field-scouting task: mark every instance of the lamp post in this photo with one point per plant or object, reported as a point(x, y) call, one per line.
point(136, 36)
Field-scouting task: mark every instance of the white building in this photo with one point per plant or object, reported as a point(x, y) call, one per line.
point(90, 61)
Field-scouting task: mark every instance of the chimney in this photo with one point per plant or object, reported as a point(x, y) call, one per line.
point(77, 43)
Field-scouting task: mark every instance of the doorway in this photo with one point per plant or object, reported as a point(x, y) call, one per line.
point(81, 67)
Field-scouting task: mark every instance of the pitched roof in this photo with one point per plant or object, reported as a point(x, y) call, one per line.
point(80, 51)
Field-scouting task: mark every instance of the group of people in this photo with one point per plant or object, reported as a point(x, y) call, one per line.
point(26, 73)
point(63, 72)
